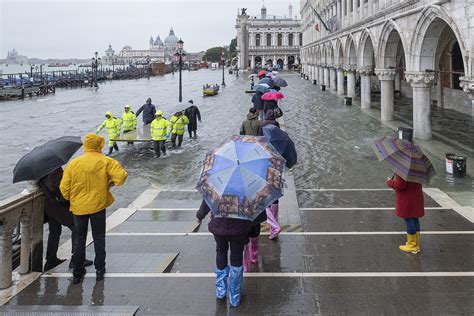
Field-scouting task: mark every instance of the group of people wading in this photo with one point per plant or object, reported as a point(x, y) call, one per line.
point(161, 129)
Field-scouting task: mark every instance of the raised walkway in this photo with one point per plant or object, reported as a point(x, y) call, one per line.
point(339, 255)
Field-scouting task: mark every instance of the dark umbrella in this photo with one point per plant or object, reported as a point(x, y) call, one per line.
point(282, 143)
point(46, 158)
point(269, 81)
point(279, 82)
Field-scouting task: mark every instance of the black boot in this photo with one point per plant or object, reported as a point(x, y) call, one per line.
point(99, 275)
point(116, 147)
point(110, 151)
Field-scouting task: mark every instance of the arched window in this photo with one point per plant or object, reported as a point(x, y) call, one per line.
point(280, 39)
point(290, 40)
point(301, 39)
point(269, 39)
point(257, 40)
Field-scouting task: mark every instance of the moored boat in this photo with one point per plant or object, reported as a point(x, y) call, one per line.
point(210, 90)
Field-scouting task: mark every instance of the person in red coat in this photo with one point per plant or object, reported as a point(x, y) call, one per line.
point(409, 206)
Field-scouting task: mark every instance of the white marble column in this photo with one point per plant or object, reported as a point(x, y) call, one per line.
point(421, 83)
point(350, 82)
point(252, 62)
point(285, 63)
point(340, 81)
point(332, 79)
point(365, 87)
point(321, 74)
point(326, 76)
point(387, 83)
point(370, 8)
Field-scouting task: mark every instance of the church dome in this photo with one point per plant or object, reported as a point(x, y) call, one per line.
point(158, 41)
point(171, 39)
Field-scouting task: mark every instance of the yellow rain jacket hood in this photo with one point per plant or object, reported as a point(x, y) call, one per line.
point(87, 178)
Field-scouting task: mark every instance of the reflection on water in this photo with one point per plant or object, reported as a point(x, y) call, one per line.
point(333, 141)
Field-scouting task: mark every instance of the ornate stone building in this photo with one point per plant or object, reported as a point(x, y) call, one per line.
point(419, 49)
point(268, 39)
point(158, 51)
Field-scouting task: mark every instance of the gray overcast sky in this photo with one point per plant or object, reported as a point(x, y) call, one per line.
point(72, 28)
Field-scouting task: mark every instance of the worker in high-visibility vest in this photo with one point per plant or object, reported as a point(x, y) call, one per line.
point(113, 130)
point(129, 121)
point(159, 130)
point(178, 121)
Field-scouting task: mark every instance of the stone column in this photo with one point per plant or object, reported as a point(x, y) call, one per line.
point(326, 76)
point(365, 87)
point(387, 83)
point(340, 81)
point(343, 13)
point(332, 79)
point(351, 81)
point(252, 62)
point(321, 74)
point(285, 62)
point(6, 233)
point(421, 83)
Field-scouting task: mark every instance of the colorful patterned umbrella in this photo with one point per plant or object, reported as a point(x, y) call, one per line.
point(272, 96)
point(406, 158)
point(242, 177)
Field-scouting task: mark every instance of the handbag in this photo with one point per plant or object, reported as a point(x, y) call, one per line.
point(277, 112)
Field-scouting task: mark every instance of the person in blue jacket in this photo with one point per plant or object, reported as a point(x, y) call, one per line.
point(148, 110)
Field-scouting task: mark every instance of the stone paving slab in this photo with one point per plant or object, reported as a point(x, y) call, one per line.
point(360, 198)
point(162, 216)
point(264, 295)
point(157, 227)
point(380, 220)
point(176, 199)
point(137, 262)
point(321, 253)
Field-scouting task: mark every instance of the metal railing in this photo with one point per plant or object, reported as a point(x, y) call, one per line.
point(26, 209)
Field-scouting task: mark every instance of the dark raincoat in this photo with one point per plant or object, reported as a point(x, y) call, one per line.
point(193, 115)
point(55, 206)
point(257, 101)
point(149, 111)
point(224, 226)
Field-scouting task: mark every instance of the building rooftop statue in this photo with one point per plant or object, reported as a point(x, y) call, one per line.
point(171, 39)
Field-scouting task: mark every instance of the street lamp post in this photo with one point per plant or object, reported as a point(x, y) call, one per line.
point(223, 68)
point(95, 64)
point(179, 56)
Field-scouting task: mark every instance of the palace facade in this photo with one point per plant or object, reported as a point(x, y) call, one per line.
point(268, 40)
point(417, 49)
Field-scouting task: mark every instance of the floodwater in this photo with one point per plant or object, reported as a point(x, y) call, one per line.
point(333, 141)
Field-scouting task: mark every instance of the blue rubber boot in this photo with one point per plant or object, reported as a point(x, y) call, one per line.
point(221, 282)
point(236, 278)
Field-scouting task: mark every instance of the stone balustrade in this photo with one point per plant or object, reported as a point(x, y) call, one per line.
point(25, 208)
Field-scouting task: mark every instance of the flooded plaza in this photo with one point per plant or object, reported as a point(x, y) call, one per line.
point(333, 141)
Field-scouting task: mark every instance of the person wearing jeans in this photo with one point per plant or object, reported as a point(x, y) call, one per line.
point(86, 185)
point(81, 223)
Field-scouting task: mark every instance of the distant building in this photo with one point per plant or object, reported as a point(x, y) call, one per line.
point(268, 40)
point(14, 58)
point(158, 51)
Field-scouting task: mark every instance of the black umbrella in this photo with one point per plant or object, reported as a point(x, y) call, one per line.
point(282, 143)
point(269, 81)
point(46, 158)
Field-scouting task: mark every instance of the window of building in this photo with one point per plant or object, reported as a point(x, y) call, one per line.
point(280, 39)
point(301, 39)
point(269, 39)
point(290, 40)
point(257, 40)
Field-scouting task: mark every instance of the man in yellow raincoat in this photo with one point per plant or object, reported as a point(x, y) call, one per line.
point(86, 183)
point(129, 121)
point(178, 121)
point(159, 130)
point(113, 130)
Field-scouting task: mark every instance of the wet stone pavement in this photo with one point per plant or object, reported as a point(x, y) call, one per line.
point(340, 256)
